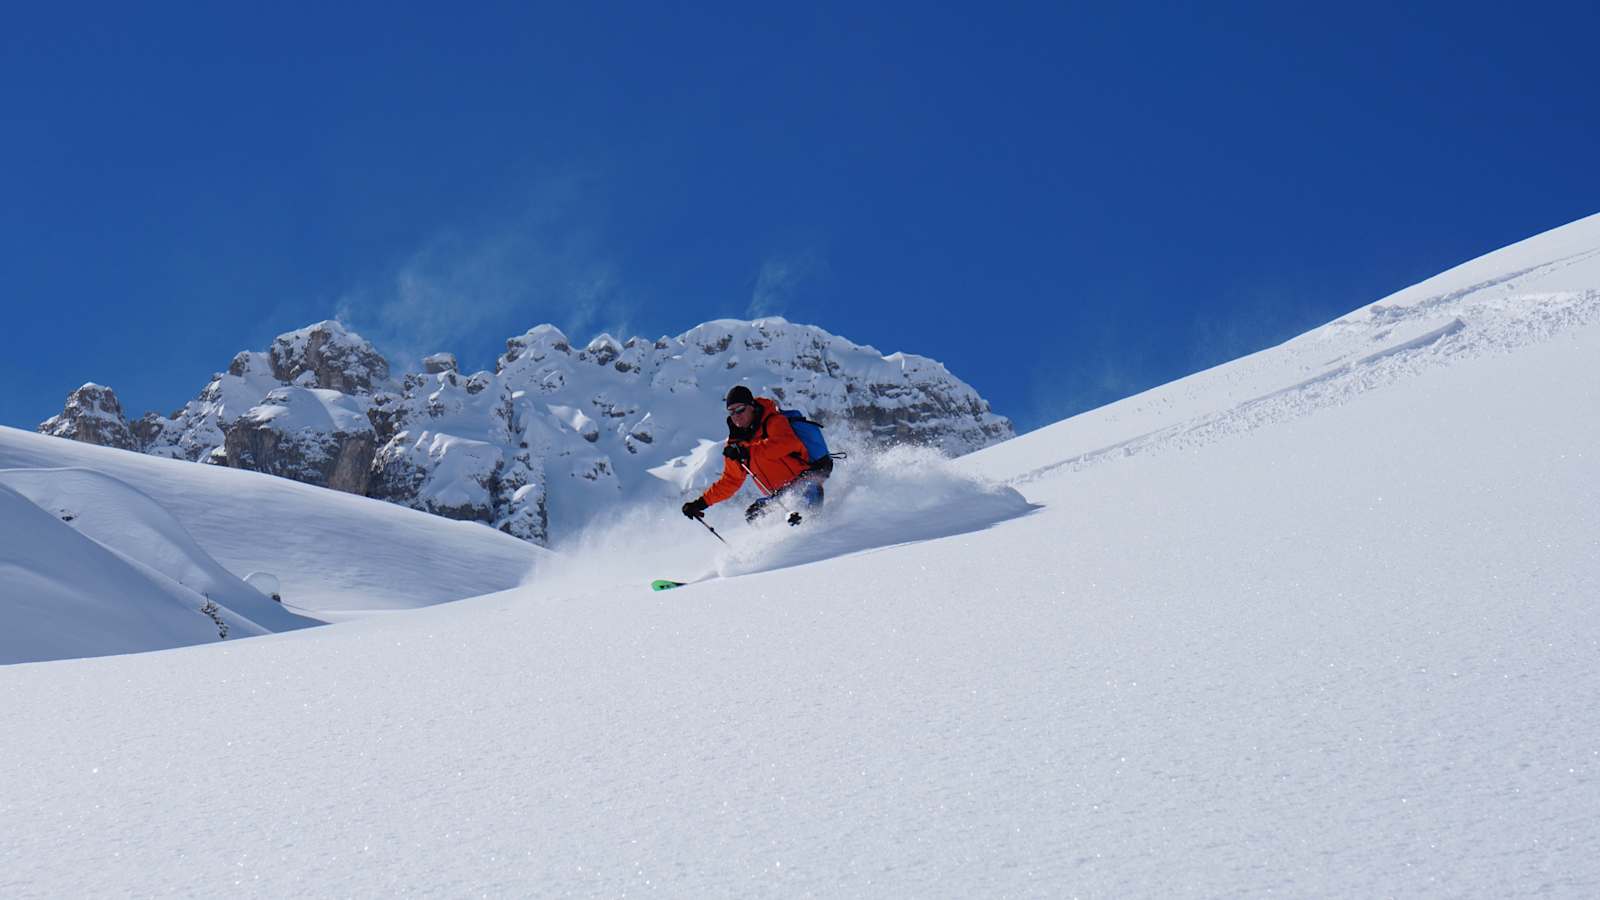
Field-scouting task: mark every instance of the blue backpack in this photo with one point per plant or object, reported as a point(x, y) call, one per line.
point(809, 433)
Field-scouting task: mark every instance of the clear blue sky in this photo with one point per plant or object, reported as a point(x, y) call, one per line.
point(1064, 203)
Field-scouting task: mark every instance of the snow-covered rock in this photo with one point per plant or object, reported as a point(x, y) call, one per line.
point(326, 356)
point(92, 415)
point(197, 430)
point(556, 434)
point(314, 435)
point(333, 356)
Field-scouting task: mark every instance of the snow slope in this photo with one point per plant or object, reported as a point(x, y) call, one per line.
point(1496, 303)
point(333, 553)
point(1339, 643)
point(135, 527)
point(68, 596)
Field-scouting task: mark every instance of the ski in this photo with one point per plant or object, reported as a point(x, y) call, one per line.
point(662, 584)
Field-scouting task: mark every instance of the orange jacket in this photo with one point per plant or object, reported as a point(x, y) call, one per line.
point(776, 456)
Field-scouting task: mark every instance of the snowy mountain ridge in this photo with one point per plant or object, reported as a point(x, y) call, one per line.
point(554, 434)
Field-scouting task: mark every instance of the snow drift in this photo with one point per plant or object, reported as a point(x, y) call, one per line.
point(193, 532)
point(66, 595)
point(128, 522)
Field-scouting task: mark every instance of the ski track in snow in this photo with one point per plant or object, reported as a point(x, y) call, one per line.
point(1477, 325)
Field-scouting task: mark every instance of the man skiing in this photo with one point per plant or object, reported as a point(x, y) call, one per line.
point(762, 444)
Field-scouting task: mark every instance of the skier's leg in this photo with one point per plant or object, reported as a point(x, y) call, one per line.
point(810, 493)
point(757, 509)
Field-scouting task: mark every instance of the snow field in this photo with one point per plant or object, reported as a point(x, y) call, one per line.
point(1356, 658)
point(1365, 647)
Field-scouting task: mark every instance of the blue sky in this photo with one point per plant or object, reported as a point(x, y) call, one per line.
point(1064, 203)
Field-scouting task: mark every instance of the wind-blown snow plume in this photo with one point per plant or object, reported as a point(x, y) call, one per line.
point(548, 258)
point(779, 281)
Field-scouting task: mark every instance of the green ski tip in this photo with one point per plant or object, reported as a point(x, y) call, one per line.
point(661, 584)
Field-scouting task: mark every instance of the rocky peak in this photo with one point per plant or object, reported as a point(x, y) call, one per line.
point(335, 357)
point(92, 415)
point(602, 350)
point(439, 362)
point(538, 344)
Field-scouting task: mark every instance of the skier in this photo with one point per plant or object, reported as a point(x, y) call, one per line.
point(762, 444)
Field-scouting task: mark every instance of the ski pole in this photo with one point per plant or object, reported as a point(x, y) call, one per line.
point(713, 531)
point(763, 486)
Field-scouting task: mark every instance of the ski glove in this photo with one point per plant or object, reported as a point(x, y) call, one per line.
point(737, 452)
point(696, 508)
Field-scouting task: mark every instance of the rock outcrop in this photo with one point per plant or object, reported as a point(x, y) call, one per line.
point(92, 415)
point(326, 356)
point(334, 357)
point(313, 435)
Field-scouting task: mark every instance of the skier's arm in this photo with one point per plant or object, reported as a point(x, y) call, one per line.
point(732, 479)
